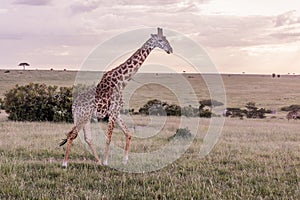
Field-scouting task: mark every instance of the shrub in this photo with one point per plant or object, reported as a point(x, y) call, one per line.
point(63, 105)
point(290, 108)
point(160, 108)
point(189, 111)
point(173, 110)
point(251, 111)
point(152, 107)
point(235, 112)
point(39, 102)
point(210, 103)
point(205, 113)
point(254, 112)
point(157, 107)
point(181, 133)
point(257, 113)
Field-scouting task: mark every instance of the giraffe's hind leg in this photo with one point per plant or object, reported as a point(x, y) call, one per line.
point(70, 137)
point(88, 139)
point(125, 130)
point(111, 124)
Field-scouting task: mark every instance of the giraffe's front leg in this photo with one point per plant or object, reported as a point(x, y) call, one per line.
point(111, 123)
point(127, 135)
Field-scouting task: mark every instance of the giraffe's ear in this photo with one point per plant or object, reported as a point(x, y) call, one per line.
point(159, 32)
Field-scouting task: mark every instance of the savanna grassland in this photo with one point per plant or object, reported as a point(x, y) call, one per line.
point(253, 158)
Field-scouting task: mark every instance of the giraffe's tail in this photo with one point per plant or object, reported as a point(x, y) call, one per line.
point(64, 141)
point(70, 135)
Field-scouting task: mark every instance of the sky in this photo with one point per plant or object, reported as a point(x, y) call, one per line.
point(238, 35)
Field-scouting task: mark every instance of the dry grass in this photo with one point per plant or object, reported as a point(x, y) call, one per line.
point(254, 159)
point(21, 77)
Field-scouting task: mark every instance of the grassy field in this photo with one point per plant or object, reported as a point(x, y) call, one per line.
point(253, 159)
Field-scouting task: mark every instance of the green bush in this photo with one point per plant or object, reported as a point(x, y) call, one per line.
point(173, 110)
point(39, 102)
point(254, 112)
point(251, 111)
point(190, 111)
point(235, 112)
point(205, 113)
point(210, 103)
point(157, 107)
point(152, 107)
point(160, 108)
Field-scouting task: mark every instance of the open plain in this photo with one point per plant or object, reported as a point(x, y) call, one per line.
point(253, 158)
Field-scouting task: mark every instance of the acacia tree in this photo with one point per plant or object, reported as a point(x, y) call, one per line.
point(24, 64)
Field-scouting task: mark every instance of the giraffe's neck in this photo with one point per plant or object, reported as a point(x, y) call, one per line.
point(127, 69)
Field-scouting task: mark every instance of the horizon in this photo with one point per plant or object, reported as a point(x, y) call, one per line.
point(161, 72)
point(238, 36)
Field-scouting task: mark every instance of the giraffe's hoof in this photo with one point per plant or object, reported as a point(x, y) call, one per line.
point(99, 163)
point(125, 160)
point(64, 165)
point(105, 162)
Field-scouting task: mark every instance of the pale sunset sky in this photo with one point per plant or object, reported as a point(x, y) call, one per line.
point(249, 36)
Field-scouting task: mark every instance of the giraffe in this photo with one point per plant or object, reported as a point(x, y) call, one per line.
point(292, 114)
point(106, 99)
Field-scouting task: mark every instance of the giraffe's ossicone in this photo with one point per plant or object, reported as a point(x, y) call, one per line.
point(106, 99)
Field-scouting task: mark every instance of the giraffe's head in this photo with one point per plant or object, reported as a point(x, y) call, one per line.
point(161, 42)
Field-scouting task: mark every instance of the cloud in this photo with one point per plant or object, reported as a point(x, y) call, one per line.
point(231, 31)
point(2, 11)
point(287, 18)
point(221, 31)
point(274, 48)
point(287, 34)
point(157, 3)
point(82, 24)
point(287, 27)
point(84, 6)
point(33, 2)
point(5, 36)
